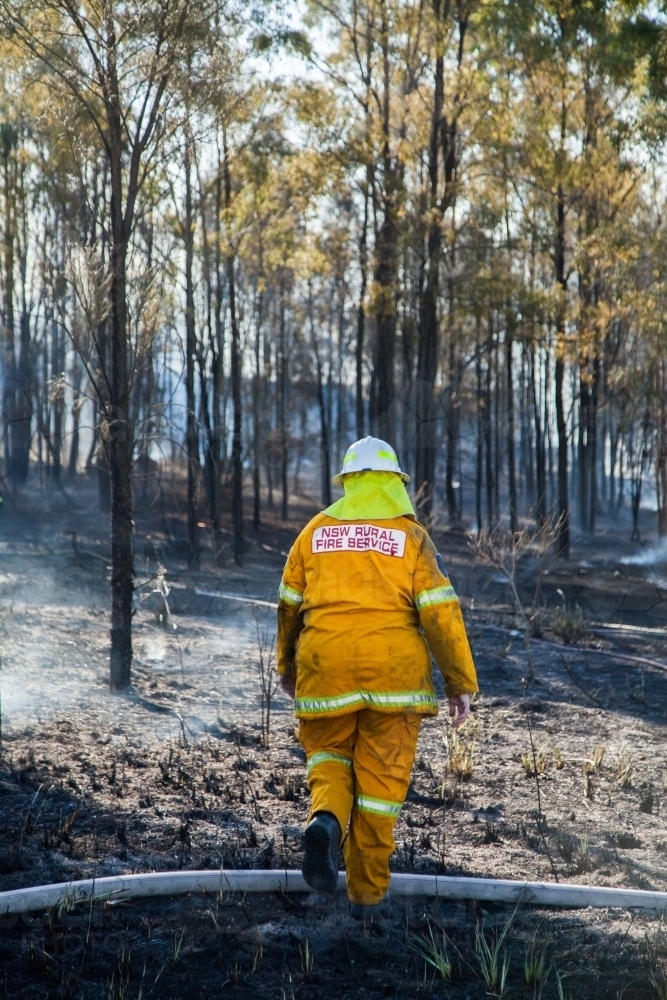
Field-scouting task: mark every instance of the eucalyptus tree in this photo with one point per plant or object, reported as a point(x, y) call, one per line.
point(375, 68)
point(113, 62)
point(16, 348)
point(447, 89)
point(574, 74)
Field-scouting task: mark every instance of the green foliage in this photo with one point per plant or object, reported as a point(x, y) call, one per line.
point(433, 949)
point(492, 958)
point(535, 968)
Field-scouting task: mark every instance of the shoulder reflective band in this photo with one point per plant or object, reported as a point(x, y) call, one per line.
point(326, 757)
point(401, 700)
point(380, 807)
point(289, 596)
point(439, 595)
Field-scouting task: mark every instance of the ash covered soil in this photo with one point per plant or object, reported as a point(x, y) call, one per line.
point(174, 775)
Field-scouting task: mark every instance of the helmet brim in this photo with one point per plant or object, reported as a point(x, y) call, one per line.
point(338, 480)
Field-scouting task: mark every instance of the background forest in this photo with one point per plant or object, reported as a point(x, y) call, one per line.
point(235, 236)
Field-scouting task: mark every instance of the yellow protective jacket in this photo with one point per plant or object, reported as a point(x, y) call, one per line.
point(358, 603)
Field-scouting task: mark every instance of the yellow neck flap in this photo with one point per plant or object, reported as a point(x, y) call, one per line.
point(371, 496)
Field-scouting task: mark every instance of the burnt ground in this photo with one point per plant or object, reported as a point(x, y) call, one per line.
point(175, 775)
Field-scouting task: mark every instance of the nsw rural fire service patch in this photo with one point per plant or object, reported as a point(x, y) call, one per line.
point(359, 538)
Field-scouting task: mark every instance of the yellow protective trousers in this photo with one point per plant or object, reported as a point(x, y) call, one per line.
point(359, 768)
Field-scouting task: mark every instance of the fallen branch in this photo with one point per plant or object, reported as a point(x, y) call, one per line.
point(576, 683)
point(234, 597)
point(601, 628)
point(627, 657)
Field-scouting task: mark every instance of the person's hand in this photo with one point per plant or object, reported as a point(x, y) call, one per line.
point(459, 703)
point(288, 684)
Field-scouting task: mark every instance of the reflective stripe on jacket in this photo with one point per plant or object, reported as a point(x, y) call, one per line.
point(358, 603)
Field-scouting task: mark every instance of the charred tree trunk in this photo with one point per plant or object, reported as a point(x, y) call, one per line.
point(324, 435)
point(385, 270)
point(453, 412)
point(24, 405)
point(563, 530)
point(219, 397)
point(540, 449)
point(103, 368)
point(325, 467)
point(191, 429)
point(490, 518)
point(120, 445)
point(341, 409)
point(593, 443)
point(210, 387)
point(104, 382)
point(480, 429)
point(209, 464)
point(237, 402)
point(77, 403)
point(511, 462)
point(282, 399)
point(271, 414)
point(497, 435)
point(57, 362)
point(661, 456)
point(256, 425)
point(10, 381)
point(583, 449)
point(361, 319)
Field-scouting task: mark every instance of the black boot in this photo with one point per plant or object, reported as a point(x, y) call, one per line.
point(320, 859)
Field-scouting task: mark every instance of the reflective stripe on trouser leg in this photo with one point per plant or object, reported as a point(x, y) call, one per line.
point(383, 756)
point(329, 746)
point(378, 807)
point(327, 757)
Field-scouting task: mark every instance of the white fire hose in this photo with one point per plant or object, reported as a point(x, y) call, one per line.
point(444, 887)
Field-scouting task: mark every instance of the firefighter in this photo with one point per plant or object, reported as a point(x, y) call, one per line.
point(362, 594)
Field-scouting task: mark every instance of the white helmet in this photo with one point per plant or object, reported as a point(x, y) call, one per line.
point(370, 455)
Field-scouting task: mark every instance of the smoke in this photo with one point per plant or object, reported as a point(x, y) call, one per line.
point(54, 645)
point(153, 650)
point(54, 638)
point(655, 555)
